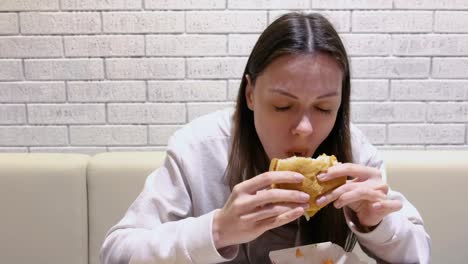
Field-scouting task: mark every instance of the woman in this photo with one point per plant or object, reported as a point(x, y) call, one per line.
point(210, 201)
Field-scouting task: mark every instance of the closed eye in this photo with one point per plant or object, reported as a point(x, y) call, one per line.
point(282, 109)
point(323, 110)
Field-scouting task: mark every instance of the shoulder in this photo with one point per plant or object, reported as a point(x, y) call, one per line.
point(363, 151)
point(209, 127)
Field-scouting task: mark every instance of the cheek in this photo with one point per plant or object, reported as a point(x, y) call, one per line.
point(324, 127)
point(271, 131)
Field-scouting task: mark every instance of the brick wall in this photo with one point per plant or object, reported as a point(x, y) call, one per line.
point(95, 75)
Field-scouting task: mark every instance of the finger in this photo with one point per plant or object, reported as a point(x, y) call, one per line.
point(383, 187)
point(387, 206)
point(266, 179)
point(359, 195)
point(331, 196)
point(279, 196)
point(271, 210)
point(356, 171)
point(349, 186)
point(281, 219)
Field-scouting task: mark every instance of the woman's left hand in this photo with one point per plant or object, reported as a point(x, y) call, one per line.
point(365, 194)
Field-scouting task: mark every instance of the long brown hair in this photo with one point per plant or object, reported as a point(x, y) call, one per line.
point(294, 33)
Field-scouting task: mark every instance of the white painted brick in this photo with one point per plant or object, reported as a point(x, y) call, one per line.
point(376, 134)
point(60, 23)
point(339, 19)
point(159, 135)
point(388, 112)
point(12, 114)
point(160, 113)
point(426, 134)
point(143, 22)
point(64, 69)
point(268, 4)
point(13, 150)
point(11, 70)
point(354, 4)
point(66, 113)
point(107, 91)
point(185, 4)
point(81, 150)
point(215, 68)
point(198, 109)
point(33, 136)
point(431, 4)
point(450, 67)
point(432, 90)
point(451, 21)
point(136, 149)
point(233, 89)
point(161, 91)
point(19, 92)
point(392, 21)
point(186, 45)
point(430, 45)
point(28, 5)
point(225, 21)
point(108, 135)
point(367, 44)
point(146, 68)
point(8, 23)
point(390, 67)
point(401, 147)
point(22, 47)
point(100, 4)
point(242, 44)
point(448, 112)
point(104, 46)
point(372, 90)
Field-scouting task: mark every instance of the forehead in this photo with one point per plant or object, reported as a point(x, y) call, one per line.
point(306, 73)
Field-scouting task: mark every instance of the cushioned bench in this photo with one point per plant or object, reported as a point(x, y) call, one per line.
point(57, 208)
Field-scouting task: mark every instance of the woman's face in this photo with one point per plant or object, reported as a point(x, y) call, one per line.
point(295, 102)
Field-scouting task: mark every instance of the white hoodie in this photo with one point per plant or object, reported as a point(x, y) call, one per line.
point(171, 220)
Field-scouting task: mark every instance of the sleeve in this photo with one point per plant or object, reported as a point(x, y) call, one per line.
point(159, 226)
point(400, 237)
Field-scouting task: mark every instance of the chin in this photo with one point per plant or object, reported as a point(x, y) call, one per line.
point(277, 156)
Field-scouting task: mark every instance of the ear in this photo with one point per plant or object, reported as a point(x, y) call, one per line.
point(249, 94)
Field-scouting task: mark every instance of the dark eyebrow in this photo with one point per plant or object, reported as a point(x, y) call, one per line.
point(328, 95)
point(283, 92)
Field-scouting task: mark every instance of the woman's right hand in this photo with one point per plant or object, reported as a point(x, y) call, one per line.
point(253, 208)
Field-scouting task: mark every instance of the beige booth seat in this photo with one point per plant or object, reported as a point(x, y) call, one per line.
point(50, 202)
point(114, 181)
point(436, 183)
point(43, 212)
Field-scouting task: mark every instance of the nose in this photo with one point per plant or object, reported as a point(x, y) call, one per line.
point(304, 127)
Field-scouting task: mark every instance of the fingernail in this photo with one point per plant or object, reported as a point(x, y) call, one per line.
point(299, 177)
point(377, 205)
point(321, 200)
point(322, 176)
point(305, 206)
point(305, 196)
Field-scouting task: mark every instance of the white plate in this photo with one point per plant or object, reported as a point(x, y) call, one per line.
point(314, 254)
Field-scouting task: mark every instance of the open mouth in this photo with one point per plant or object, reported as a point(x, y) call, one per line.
point(297, 153)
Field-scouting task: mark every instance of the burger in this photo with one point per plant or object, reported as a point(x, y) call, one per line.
point(310, 168)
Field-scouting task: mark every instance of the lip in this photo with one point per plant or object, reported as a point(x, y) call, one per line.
point(298, 152)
